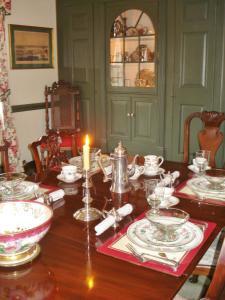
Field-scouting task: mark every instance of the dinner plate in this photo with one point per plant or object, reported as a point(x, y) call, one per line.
point(197, 232)
point(145, 232)
point(201, 184)
point(154, 173)
point(62, 178)
point(24, 191)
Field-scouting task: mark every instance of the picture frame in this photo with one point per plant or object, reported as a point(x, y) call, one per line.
point(31, 47)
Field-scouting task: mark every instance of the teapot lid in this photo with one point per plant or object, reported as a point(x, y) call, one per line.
point(120, 150)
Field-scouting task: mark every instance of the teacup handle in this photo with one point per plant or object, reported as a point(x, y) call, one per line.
point(141, 169)
point(160, 162)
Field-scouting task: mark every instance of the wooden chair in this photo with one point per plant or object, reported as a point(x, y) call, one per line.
point(216, 290)
point(47, 154)
point(4, 156)
point(64, 102)
point(210, 137)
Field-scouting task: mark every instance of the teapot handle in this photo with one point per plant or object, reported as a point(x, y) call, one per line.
point(100, 159)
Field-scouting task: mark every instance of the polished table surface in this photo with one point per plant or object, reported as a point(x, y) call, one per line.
point(69, 267)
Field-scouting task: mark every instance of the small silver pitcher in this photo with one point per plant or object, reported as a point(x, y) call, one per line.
point(120, 170)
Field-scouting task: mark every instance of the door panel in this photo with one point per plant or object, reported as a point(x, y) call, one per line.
point(76, 54)
point(194, 46)
point(194, 66)
point(144, 122)
point(119, 118)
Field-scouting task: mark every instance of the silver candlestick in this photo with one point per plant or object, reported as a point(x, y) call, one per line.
point(87, 213)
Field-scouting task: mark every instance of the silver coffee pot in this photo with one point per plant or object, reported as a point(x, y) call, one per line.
point(120, 171)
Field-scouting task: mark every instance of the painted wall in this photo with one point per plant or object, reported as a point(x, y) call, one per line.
point(27, 85)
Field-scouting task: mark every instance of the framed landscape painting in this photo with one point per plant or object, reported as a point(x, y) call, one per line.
point(30, 47)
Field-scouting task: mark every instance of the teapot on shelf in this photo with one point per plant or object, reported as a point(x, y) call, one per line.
point(120, 171)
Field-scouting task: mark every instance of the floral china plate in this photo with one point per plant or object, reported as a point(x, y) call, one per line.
point(145, 232)
point(190, 227)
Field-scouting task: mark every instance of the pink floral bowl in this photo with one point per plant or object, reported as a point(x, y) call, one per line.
point(22, 225)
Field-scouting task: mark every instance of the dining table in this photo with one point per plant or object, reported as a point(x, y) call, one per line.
point(70, 265)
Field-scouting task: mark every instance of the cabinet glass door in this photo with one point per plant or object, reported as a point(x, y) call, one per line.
point(132, 50)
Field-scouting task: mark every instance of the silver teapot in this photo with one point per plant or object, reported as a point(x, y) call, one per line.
point(120, 171)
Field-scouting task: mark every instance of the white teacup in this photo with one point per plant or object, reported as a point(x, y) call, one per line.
point(69, 172)
point(139, 170)
point(152, 163)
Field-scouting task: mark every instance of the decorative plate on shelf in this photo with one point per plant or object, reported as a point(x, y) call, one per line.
point(132, 31)
point(145, 78)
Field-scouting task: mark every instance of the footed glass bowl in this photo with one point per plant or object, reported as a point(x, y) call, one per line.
point(10, 181)
point(22, 225)
point(166, 222)
point(215, 177)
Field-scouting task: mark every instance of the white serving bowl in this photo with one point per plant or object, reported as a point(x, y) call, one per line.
point(22, 225)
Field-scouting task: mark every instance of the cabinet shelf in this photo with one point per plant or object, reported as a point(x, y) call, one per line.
point(133, 62)
point(132, 51)
point(133, 36)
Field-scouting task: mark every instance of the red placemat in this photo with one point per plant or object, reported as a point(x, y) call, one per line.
point(49, 188)
point(107, 248)
point(180, 192)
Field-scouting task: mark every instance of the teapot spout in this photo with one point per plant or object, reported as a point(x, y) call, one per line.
point(131, 171)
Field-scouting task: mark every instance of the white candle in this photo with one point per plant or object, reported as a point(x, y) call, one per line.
point(86, 154)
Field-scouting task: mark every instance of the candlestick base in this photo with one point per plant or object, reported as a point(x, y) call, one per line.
point(87, 215)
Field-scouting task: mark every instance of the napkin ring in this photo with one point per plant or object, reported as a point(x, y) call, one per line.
point(113, 212)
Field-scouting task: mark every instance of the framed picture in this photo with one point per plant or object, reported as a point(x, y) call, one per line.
point(30, 47)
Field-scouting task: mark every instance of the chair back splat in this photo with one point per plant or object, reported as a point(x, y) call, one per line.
point(47, 154)
point(64, 102)
point(210, 137)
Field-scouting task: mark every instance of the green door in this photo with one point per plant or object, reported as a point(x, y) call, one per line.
point(192, 86)
point(76, 62)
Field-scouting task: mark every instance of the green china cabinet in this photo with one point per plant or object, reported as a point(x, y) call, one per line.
point(142, 67)
point(133, 72)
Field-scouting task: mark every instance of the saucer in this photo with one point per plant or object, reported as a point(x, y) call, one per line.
point(170, 201)
point(154, 173)
point(194, 168)
point(62, 178)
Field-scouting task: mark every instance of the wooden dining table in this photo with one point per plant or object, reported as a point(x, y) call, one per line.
point(70, 267)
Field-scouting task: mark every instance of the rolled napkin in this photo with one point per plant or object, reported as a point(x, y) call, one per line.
point(54, 196)
point(110, 220)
